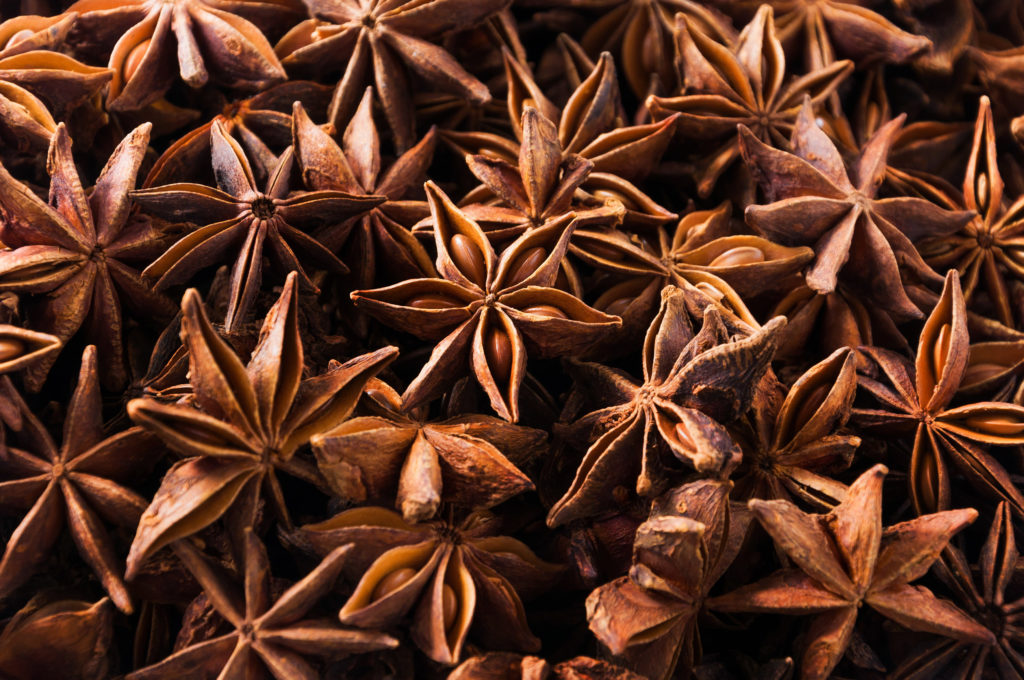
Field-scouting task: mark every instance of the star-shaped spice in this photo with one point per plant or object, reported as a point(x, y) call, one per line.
point(71, 257)
point(988, 252)
point(382, 43)
point(439, 578)
point(247, 423)
point(794, 436)
point(270, 637)
point(689, 380)
point(650, 616)
point(150, 42)
point(989, 592)
point(744, 84)
point(242, 223)
point(65, 639)
point(918, 399)
point(845, 560)
point(401, 454)
point(817, 199)
point(79, 484)
point(485, 310)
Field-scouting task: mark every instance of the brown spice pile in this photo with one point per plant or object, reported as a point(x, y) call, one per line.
point(486, 340)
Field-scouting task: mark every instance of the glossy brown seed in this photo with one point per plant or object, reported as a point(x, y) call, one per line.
point(996, 425)
point(710, 291)
point(981, 371)
point(810, 405)
point(10, 348)
point(23, 34)
point(134, 60)
point(618, 306)
point(940, 349)
point(392, 582)
point(432, 302)
point(737, 256)
point(546, 310)
point(683, 437)
point(468, 259)
point(449, 606)
point(526, 264)
point(498, 348)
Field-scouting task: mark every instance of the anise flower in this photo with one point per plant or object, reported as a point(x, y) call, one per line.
point(794, 440)
point(986, 592)
point(70, 257)
point(845, 560)
point(650, 616)
point(486, 310)
point(824, 27)
point(248, 424)
point(78, 484)
point(817, 199)
point(917, 399)
point(450, 582)
point(742, 84)
point(398, 453)
point(380, 42)
point(988, 251)
point(149, 41)
point(270, 637)
point(243, 223)
point(690, 380)
point(378, 244)
point(65, 639)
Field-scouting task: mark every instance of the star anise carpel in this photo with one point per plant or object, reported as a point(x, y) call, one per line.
point(816, 198)
point(845, 560)
point(78, 484)
point(244, 424)
point(72, 257)
point(918, 398)
point(238, 220)
point(487, 310)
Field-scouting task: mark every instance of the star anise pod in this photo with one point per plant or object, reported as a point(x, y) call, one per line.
point(987, 252)
point(27, 32)
point(918, 398)
point(72, 257)
point(690, 380)
point(378, 245)
point(149, 43)
point(238, 215)
point(62, 82)
point(399, 453)
point(816, 198)
point(382, 43)
point(845, 560)
point(449, 582)
point(742, 84)
point(486, 310)
point(65, 639)
point(271, 637)
point(795, 435)
point(247, 424)
point(987, 593)
point(821, 28)
point(79, 484)
point(650, 616)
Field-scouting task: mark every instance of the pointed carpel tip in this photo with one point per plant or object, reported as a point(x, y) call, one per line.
point(878, 470)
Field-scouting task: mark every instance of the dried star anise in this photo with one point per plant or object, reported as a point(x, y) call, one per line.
point(72, 256)
point(80, 632)
point(455, 581)
point(844, 560)
point(919, 400)
point(244, 423)
point(690, 379)
point(487, 311)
